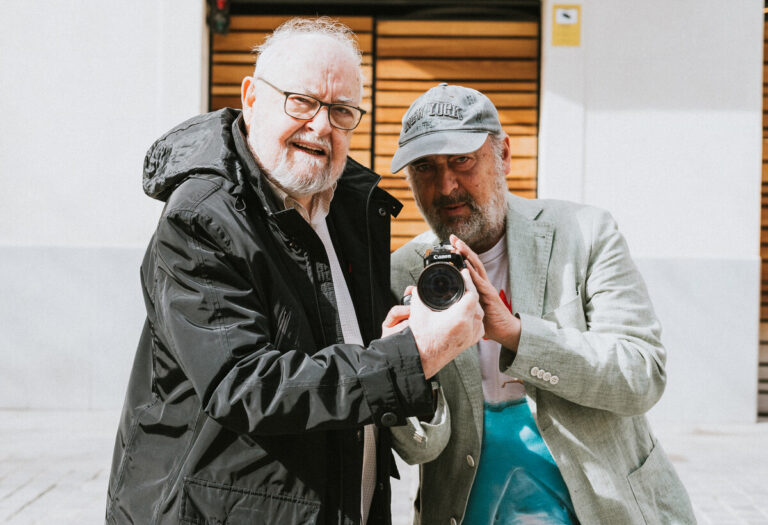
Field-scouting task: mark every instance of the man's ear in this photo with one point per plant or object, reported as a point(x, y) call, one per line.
point(506, 153)
point(247, 97)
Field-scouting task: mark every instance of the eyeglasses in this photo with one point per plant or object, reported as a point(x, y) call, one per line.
point(305, 107)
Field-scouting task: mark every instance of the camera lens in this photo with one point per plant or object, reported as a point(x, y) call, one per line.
point(440, 285)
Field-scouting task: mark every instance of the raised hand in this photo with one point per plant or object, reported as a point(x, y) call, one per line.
point(500, 324)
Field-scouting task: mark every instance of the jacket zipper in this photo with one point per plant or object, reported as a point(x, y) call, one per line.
point(370, 250)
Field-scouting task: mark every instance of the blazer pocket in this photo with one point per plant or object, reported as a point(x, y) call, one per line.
point(205, 502)
point(570, 314)
point(658, 491)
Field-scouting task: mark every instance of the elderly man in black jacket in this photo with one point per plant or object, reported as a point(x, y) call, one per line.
point(262, 389)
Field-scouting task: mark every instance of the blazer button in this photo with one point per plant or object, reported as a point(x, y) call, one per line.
point(554, 380)
point(359, 435)
point(388, 419)
point(547, 376)
point(534, 371)
point(382, 212)
point(540, 373)
point(470, 461)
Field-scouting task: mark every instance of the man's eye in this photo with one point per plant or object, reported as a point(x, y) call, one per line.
point(302, 102)
point(462, 162)
point(342, 111)
point(420, 168)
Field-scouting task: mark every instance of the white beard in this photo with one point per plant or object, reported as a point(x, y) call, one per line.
point(301, 175)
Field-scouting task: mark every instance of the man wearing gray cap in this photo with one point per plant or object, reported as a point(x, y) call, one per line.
point(543, 421)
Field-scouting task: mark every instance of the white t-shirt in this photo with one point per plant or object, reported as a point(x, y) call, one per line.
point(497, 387)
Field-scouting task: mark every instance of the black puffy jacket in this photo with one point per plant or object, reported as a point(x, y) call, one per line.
point(243, 406)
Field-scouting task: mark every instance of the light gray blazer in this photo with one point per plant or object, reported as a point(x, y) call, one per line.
point(592, 363)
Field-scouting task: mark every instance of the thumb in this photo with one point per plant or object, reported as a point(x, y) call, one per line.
point(468, 283)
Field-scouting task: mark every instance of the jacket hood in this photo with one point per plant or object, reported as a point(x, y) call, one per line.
point(202, 144)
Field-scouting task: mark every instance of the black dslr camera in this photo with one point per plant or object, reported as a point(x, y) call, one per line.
point(440, 283)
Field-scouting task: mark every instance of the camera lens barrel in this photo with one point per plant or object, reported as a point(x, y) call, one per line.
point(440, 285)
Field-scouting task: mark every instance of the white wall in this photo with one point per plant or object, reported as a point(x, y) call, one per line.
point(86, 88)
point(657, 117)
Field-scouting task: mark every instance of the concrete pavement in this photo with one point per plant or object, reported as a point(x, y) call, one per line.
point(54, 467)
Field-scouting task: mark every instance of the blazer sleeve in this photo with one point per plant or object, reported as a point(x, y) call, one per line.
point(603, 349)
point(418, 441)
point(216, 323)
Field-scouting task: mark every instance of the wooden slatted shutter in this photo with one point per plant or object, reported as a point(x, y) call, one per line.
point(233, 59)
point(762, 395)
point(499, 59)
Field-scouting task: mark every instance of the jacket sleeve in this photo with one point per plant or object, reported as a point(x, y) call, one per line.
point(216, 323)
point(602, 349)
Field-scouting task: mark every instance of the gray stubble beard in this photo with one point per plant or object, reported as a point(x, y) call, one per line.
point(476, 229)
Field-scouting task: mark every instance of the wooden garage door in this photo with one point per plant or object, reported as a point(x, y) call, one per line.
point(499, 58)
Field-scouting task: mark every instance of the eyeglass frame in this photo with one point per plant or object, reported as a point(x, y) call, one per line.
point(320, 106)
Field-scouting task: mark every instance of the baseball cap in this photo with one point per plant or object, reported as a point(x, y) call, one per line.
point(446, 120)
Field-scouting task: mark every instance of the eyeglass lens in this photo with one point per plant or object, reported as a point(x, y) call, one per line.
point(340, 115)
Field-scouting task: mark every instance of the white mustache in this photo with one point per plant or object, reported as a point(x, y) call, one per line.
point(311, 138)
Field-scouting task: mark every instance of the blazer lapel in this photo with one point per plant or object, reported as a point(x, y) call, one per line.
point(529, 245)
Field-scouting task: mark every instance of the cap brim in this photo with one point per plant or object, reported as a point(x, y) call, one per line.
point(438, 143)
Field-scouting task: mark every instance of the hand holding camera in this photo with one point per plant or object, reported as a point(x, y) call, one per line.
point(441, 335)
point(444, 313)
point(499, 322)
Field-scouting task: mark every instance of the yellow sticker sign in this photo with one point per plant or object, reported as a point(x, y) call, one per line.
point(566, 25)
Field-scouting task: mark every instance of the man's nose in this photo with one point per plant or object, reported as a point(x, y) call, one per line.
point(447, 182)
point(320, 123)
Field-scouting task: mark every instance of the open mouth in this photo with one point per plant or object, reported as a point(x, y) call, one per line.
point(311, 149)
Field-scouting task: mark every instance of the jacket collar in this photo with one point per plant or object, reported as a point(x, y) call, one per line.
point(253, 171)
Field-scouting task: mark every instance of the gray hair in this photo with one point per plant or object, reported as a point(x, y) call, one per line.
point(322, 26)
point(497, 143)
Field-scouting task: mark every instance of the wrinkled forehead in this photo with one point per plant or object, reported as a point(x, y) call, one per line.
point(317, 65)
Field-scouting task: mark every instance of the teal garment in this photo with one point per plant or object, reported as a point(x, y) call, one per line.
point(517, 482)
